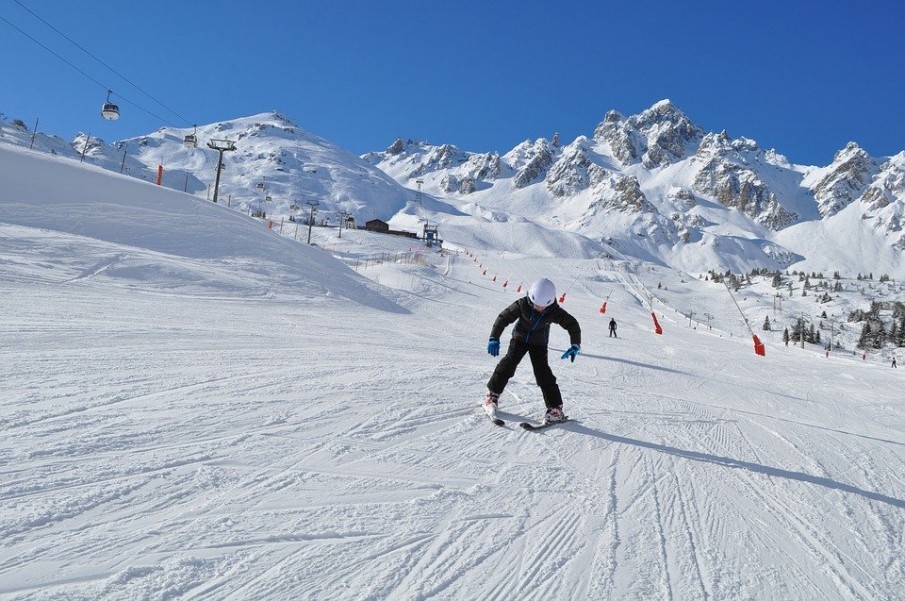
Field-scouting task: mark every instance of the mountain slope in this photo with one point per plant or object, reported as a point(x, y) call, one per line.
point(278, 440)
point(654, 186)
point(108, 211)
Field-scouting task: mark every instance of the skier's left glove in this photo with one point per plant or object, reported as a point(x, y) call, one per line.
point(493, 347)
point(573, 350)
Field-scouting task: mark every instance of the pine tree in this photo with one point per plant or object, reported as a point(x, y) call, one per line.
point(880, 337)
point(767, 323)
point(866, 336)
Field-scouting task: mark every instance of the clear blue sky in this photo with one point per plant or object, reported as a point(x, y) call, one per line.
point(803, 77)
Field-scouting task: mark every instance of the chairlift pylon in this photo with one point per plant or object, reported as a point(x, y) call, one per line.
point(110, 111)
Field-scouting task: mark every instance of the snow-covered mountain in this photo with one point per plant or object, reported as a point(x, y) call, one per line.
point(275, 169)
point(657, 186)
point(654, 186)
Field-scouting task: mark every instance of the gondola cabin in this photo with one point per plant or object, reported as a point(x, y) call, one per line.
point(109, 111)
point(191, 140)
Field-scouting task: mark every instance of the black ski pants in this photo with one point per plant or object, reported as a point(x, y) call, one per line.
point(505, 369)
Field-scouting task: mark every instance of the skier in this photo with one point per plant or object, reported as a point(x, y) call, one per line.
point(613, 328)
point(894, 362)
point(532, 315)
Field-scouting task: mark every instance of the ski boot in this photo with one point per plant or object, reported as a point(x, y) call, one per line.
point(554, 415)
point(490, 404)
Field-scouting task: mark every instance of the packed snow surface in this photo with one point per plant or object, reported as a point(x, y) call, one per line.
point(195, 405)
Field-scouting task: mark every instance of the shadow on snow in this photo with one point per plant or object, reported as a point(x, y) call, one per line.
point(738, 464)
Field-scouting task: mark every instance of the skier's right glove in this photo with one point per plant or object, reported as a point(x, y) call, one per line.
point(493, 347)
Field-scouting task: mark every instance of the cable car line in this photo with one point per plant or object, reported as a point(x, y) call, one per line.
point(114, 71)
point(158, 117)
point(51, 51)
point(109, 110)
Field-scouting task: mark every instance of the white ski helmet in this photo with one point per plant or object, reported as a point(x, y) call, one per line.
point(542, 293)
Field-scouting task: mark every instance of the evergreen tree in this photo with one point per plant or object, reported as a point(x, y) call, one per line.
point(866, 336)
point(880, 336)
point(767, 323)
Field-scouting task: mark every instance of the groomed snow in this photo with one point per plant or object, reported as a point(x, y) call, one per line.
point(196, 407)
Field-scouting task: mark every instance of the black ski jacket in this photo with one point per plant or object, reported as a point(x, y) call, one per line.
point(532, 327)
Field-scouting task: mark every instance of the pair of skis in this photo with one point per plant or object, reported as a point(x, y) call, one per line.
point(524, 425)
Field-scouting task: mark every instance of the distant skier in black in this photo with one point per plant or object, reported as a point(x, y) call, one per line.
point(894, 362)
point(613, 328)
point(532, 315)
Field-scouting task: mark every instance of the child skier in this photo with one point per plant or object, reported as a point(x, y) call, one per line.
point(532, 315)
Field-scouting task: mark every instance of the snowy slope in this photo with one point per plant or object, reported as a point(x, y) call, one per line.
point(140, 221)
point(194, 407)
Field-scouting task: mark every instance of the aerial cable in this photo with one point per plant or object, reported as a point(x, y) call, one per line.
point(52, 52)
point(158, 117)
point(114, 71)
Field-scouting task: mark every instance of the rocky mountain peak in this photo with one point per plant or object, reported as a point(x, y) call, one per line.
point(846, 179)
point(882, 200)
point(623, 140)
point(397, 147)
point(531, 160)
point(657, 137)
point(570, 174)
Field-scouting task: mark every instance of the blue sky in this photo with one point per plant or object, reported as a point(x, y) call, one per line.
point(803, 77)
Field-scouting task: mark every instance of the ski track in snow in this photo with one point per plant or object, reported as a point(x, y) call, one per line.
point(234, 458)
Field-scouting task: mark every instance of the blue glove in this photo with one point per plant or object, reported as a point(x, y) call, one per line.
point(573, 350)
point(493, 347)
